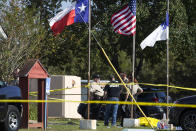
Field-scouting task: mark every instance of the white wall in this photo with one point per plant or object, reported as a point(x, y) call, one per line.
point(71, 93)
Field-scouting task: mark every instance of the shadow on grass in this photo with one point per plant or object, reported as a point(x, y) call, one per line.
point(57, 123)
point(63, 124)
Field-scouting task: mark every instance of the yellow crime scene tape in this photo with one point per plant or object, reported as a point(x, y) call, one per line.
point(129, 93)
point(99, 102)
point(149, 84)
point(55, 90)
point(89, 84)
point(55, 100)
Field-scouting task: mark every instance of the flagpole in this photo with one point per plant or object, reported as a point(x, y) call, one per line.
point(3, 33)
point(167, 62)
point(89, 50)
point(133, 71)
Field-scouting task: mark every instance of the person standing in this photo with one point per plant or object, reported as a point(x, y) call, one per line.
point(96, 89)
point(135, 89)
point(124, 90)
point(15, 82)
point(123, 97)
point(111, 93)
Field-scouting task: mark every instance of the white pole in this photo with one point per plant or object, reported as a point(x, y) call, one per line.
point(45, 120)
point(167, 61)
point(133, 69)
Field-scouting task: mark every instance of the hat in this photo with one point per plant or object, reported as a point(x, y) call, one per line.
point(96, 76)
point(123, 75)
point(111, 77)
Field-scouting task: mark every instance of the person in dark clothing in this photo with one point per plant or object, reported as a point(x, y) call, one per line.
point(124, 92)
point(111, 93)
point(15, 82)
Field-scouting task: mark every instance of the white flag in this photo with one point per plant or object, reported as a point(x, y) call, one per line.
point(160, 33)
point(3, 33)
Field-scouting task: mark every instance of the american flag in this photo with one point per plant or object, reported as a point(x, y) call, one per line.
point(124, 21)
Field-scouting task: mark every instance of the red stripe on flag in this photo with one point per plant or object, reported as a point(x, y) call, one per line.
point(123, 18)
point(127, 20)
point(130, 30)
point(119, 11)
point(114, 17)
point(124, 21)
point(68, 19)
point(129, 25)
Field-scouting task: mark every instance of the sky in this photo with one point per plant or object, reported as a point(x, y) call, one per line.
point(65, 4)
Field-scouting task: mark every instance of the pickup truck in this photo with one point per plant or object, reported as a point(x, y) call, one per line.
point(10, 113)
point(184, 116)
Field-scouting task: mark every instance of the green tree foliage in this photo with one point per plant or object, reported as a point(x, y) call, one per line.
point(24, 35)
point(67, 53)
point(150, 14)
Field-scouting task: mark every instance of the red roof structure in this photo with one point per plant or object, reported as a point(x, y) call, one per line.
point(33, 69)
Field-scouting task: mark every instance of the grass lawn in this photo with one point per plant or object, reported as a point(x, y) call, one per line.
point(64, 124)
point(71, 125)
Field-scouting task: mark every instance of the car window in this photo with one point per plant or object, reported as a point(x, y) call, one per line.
point(2, 84)
point(146, 96)
point(161, 94)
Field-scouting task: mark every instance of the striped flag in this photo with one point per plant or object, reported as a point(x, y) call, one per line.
point(124, 21)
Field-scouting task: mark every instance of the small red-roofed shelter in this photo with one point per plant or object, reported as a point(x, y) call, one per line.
point(33, 69)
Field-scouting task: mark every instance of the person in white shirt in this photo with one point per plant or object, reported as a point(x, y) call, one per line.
point(96, 90)
point(135, 90)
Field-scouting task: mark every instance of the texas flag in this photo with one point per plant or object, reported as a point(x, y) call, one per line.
point(77, 12)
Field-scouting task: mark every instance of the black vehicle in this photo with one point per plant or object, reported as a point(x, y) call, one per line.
point(96, 111)
point(156, 96)
point(10, 113)
point(182, 116)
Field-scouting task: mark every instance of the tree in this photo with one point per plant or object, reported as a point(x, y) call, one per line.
point(67, 53)
point(24, 37)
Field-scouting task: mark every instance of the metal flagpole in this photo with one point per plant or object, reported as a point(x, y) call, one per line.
point(167, 59)
point(3, 33)
point(133, 73)
point(89, 50)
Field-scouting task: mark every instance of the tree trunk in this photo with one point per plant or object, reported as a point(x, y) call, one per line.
point(139, 67)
